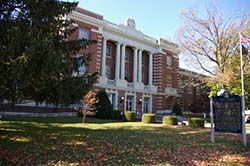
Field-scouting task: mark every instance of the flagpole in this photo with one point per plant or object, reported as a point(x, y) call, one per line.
point(243, 96)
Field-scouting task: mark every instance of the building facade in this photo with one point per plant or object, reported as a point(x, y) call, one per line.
point(193, 96)
point(138, 72)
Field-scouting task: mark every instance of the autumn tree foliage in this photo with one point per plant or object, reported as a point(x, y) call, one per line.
point(88, 102)
point(211, 45)
point(36, 54)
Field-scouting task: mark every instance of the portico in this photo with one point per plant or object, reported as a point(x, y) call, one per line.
point(120, 66)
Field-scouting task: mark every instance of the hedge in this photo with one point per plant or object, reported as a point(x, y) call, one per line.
point(103, 106)
point(129, 116)
point(116, 114)
point(196, 122)
point(170, 120)
point(148, 118)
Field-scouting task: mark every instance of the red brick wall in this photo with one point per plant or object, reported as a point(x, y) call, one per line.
point(154, 104)
point(160, 73)
point(94, 65)
point(157, 78)
point(170, 71)
point(138, 106)
point(200, 103)
point(34, 109)
point(121, 105)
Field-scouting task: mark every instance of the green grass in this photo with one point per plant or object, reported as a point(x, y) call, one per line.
point(65, 141)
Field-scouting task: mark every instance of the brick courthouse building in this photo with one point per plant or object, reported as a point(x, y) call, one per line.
point(138, 72)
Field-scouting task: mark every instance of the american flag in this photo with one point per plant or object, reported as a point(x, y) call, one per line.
point(245, 52)
point(245, 40)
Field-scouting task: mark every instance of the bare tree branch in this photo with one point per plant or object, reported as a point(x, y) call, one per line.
point(211, 40)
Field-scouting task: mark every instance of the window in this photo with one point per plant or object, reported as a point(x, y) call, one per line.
point(146, 105)
point(126, 74)
point(182, 104)
point(109, 50)
point(112, 98)
point(169, 61)
point(169, 106)
point(81, 68)
point(203, 90)
point(108, 71)
point(83, 34)
point(198, 90)
point(130, 103)
point(181, 86)
point(126, 56)
point(169, 81)
point(190, 89)
point(142, 76)
point(142, 60)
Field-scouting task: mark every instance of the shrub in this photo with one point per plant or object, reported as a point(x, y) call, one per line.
point(148, 118)
point(103, 106)
point(79, 114)
point(116, 114)
point(169, 120)
point(129, 116)
point(177, 110)
point(196, 122)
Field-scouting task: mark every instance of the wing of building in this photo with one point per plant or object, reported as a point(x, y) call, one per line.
point(138, 72)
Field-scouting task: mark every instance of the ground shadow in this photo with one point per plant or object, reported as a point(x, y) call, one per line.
point(42, 141)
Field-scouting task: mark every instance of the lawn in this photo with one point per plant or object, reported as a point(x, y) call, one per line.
point(65, 141)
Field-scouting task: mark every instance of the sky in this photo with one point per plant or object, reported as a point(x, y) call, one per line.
point(159, 18)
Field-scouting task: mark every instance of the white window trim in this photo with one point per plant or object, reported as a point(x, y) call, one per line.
point(78, 73)
point(113, 91)
point(150, 103)
point(125, 100)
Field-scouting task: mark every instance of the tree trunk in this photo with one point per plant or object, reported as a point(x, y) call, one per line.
point(84, 116)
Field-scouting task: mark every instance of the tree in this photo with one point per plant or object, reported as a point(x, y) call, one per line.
point(103, 106)
point(36, 53)
point(213, 43)
point(177, 110)
point(88, 102)
point(231, 79)
point(210, 41)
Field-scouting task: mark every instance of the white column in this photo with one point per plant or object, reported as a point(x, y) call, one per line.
point(117, 61)
point(140, 67)
point(150, 69)
point(104, 46)
point(123, 62)
point(135, 65)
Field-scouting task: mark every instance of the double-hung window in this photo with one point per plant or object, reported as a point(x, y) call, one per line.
point(169, 61)
point(109, 50)
point(83, 34)
point(169, 81)
point(81, 68)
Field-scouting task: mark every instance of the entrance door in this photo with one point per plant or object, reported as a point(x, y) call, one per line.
point(112, 99)
point(146, 105)
point(130, 103)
